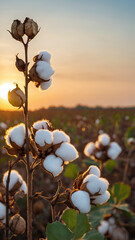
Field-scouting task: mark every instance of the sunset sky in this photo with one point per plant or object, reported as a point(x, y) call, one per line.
point(92, 43)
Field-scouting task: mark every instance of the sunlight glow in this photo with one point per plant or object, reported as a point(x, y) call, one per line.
point(4, 89)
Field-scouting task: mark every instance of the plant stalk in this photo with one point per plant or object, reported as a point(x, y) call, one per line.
point(29, 172)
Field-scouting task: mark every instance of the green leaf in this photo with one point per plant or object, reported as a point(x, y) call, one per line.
point(125, 209)
point(121, 191)
point(110, 165)
point(77, 223)
point(94, 235)
point(57, 231)
point(89, 161)
point(71, 171)
point(97, 214)
point(130, 132)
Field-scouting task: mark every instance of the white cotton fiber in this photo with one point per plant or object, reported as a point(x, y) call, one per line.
point(43, 136)
point(92, 183)
point(89, 149)
point(114, 150)
point(53, 165)
point(23, 187)
point(43, 124)
point(44, 70)
point(103, 185)
point(98, 154)
point(2, 211)
point(44, 56)
point(67, 152)
point(94, 170)
point(103, 227)
point(60, 136)
point(45, 85)
point(3, 125)
point(103, 198)
point(81, 200)
point(104, 139)
point(14, 178)
point(16, 134)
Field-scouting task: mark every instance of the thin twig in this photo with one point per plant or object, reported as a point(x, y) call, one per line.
point(127, 164)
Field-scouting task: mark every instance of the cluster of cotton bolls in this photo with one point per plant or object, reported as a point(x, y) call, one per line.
point(89, 189)
point(41, 71)
point(103, 149)
point(54, 147)
point(109, 227)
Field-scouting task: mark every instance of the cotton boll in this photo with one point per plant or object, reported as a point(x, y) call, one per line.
point(43, 136)
point(98, 154)
point(60, 136)
point(14, 178)
point(103, 227)
point(91, 178)
point(2, 212)
point(45, 85)
point(103, 198)
point(67, 152)
point(94, 170)
point(53, 165)
point(81, 200)
point(16, 135)
point(103, 185)
point(114, 150)
point(89, 149)
point(23, 187)
point(3, 125)
point(44, 56)
point(44, 70)
point(104, 139)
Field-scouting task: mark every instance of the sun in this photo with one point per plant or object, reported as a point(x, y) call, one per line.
point(4, 89)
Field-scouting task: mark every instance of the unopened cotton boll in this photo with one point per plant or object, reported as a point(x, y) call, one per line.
point(60, 136)
point(94, 170)
point(44, 70)
point(89, 149)
point(45, 85)
point(103, 227)
point(2, 212)
point(14, 178)
point(103, 198)
point(67, 152)
point(53, 165)
point(81, 200)
point(16, 136)
point(114, 150)
point(104, 139)
point(43, 137)
point(17, 224)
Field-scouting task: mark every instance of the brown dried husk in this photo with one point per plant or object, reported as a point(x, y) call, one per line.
point(11, 151)
point(16, 187)
point(17, 30)
point(45, 147)
point(30, 28)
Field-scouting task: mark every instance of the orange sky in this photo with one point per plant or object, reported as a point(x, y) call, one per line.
point(92, 47)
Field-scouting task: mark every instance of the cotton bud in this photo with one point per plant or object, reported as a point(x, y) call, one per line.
point(17, 224)
point(17, 30)
point(20, 64)
point(16, 97)
point(30, 28)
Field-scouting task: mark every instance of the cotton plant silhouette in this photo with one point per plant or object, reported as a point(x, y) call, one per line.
point(41, 145)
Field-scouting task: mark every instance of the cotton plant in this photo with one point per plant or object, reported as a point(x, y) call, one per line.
point(41, 145)
point(103, 149)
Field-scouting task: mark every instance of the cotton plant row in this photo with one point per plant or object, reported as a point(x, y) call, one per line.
point(103, 149)
point(42, 146)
